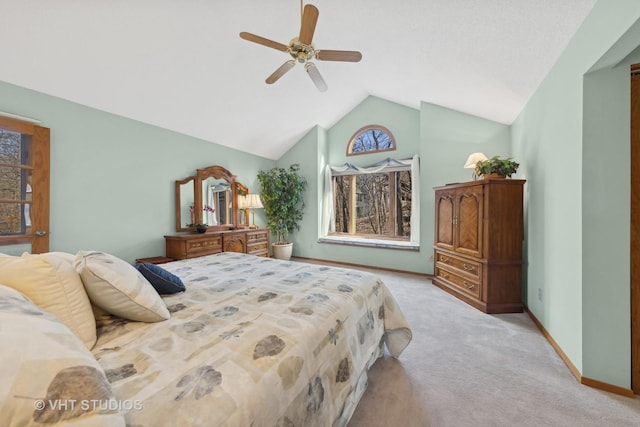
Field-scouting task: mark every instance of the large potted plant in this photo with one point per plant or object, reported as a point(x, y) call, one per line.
point(281, 194)
point(496, 167)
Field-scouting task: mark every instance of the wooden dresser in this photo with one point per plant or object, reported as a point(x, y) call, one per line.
point(249, 241)
point(478, 243)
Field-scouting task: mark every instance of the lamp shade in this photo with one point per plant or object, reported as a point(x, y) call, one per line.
point(253, 201)
point(242, 201)
point(473, 159)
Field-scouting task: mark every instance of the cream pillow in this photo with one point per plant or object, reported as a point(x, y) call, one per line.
point(117, 287)
point(48, 376)
point(53, 285)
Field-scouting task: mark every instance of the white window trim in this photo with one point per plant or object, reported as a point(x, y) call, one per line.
point(390, 165)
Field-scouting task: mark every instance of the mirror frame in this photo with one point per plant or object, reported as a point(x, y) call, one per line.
point(244, 191)
point(217, 172)
point(179, 183)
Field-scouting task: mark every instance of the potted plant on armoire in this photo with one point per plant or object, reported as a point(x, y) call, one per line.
point(281, 194)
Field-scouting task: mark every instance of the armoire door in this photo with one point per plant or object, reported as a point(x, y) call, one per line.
point(469, 221)
point(444, 220)
point(24, 186)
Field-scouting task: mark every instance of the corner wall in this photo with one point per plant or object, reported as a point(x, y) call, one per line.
point(442, 137)
point(112, 178)
point(559, 140)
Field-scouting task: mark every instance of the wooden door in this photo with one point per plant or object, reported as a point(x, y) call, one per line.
point(444, 223)
point(24, 185)
point(468, 238)
point(635, 228)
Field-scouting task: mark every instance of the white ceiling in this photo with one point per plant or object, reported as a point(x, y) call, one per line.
point(180, 64)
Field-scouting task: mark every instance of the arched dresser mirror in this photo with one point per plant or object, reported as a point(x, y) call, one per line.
point(212, 197)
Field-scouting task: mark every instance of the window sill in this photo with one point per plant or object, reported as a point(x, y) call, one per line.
point(372, 243)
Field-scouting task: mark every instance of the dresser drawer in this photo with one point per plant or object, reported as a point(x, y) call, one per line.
point(468, 286)
point(258, 242)
point(257, 236)
point(204, 246)
point(472, 269)
point(258, 248)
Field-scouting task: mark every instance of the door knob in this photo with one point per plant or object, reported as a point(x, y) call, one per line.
point(41, 233)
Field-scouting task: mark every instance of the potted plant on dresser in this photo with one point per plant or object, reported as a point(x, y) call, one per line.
point(282, 191)
point(496, 167)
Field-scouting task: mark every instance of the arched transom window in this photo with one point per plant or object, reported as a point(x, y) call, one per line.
point(371, 139)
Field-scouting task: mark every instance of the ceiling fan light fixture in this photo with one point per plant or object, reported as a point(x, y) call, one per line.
point(301, 49)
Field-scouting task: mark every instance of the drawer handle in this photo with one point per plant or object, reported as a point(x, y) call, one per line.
point(468, 267)
point(468, 286)
point(444, 259)
point(443, 274)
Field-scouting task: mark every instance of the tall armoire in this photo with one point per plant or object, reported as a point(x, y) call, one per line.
point(478, 243)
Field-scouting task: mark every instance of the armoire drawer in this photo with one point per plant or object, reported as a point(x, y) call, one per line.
point(464, 266)
point(466, 285)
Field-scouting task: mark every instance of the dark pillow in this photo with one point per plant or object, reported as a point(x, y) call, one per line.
point(163, 281)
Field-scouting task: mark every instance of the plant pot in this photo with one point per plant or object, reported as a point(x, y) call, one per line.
point(282, 250)
point(493, 176)
point(201, 228)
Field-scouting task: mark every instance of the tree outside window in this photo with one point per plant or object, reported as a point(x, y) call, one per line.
point(372, 138)
point(376, 205)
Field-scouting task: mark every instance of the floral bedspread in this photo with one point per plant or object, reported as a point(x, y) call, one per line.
point(253, 342)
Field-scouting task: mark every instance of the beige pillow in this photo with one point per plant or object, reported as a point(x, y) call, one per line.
point(53, 285)
point(48, 376)
point(118, 288)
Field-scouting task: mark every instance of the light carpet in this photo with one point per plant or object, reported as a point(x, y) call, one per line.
point(467, 368)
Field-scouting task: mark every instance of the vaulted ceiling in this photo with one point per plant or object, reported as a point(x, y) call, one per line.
point(181, 65)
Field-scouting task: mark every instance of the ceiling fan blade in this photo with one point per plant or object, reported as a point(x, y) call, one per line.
point(280, 71)
point(339, 55)
point(265, 42)
point(308, 26)
point(313, 72)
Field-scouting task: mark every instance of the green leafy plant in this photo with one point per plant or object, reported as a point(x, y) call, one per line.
point(282, 191)
point(503, 167)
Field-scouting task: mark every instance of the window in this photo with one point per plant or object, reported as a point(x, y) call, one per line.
point(24, 185)
point(375, 205)
point(15, 190)
point(371, 139)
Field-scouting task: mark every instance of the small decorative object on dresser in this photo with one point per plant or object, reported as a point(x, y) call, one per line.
point(201, 228)
point(478, 243)
point(495, 167)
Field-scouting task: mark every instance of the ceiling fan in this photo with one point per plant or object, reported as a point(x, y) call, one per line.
point(302, 50)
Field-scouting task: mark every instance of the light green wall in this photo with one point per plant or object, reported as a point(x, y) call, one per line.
point(320, 146)
point(447, 137)
point(402, 121)
point(306, 153)
point(442, 137)
point(112, 179)
point(574, 150)
point(605, 200)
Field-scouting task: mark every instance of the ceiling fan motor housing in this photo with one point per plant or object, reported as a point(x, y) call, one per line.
point(301, 52)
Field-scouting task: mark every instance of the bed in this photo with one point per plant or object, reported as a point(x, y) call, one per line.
point(251, 342)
